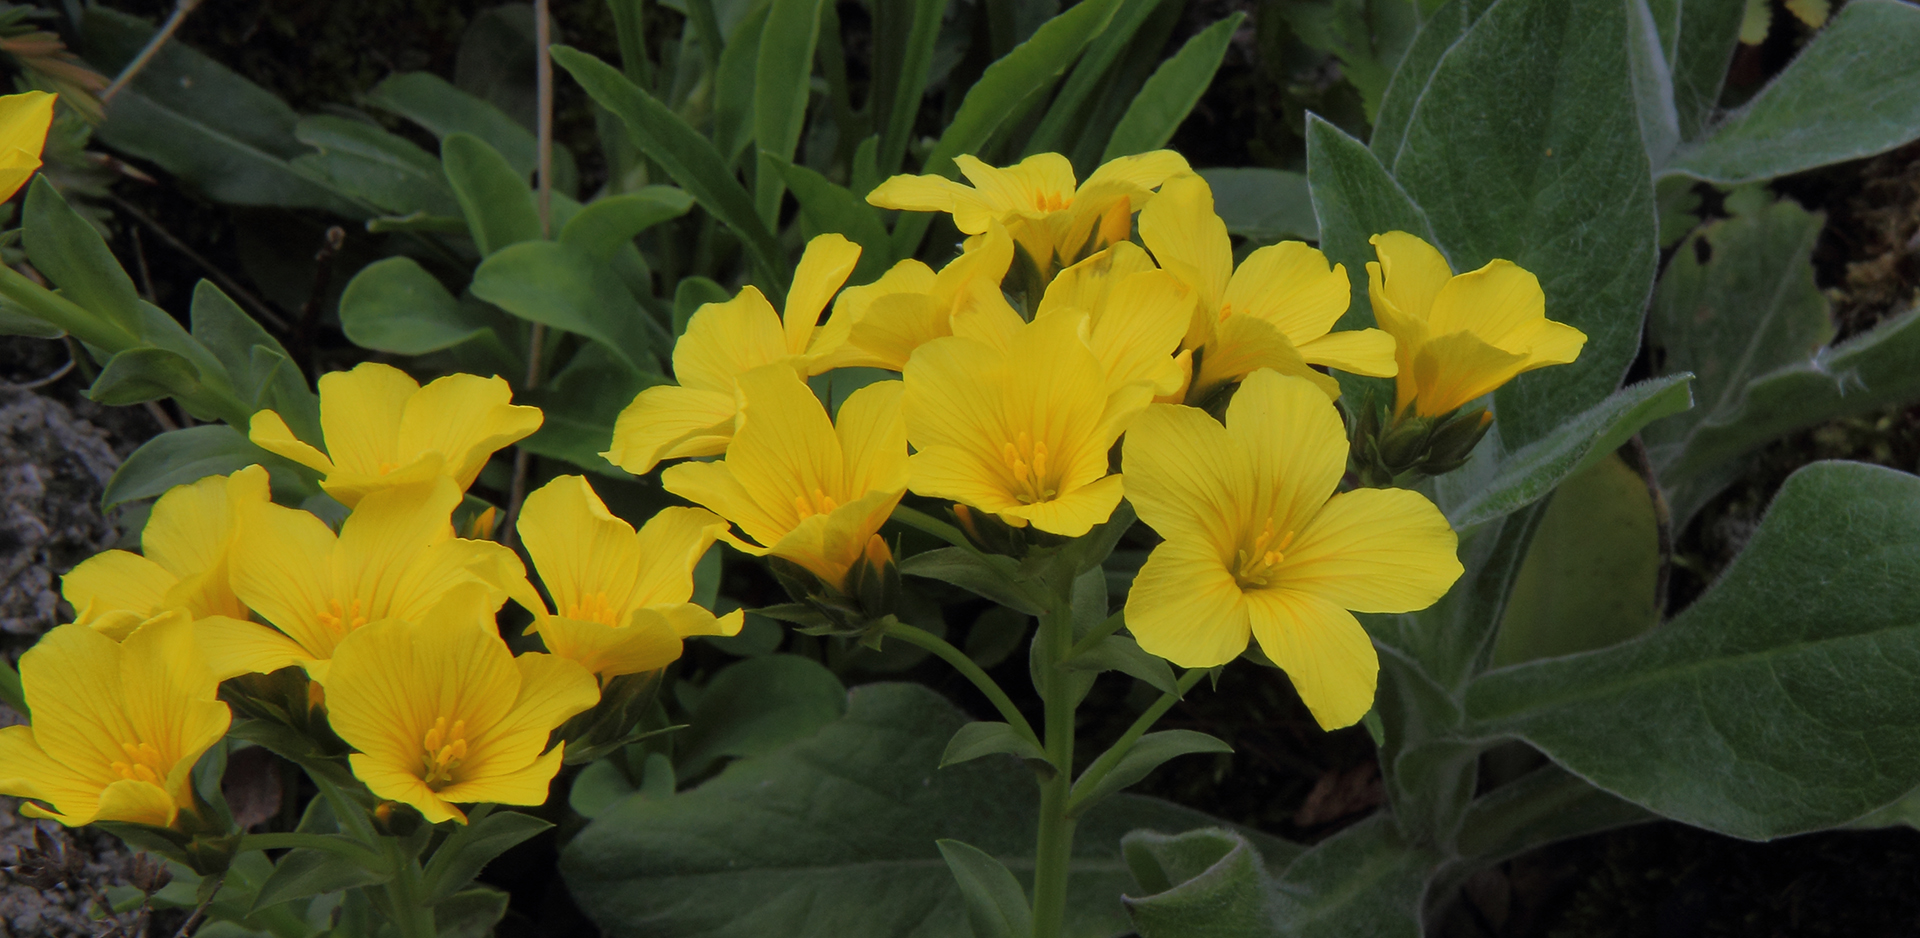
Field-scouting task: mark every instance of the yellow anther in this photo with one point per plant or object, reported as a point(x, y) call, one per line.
point(443, 749)
point(142, 765)
point(340, 618)
point(1027, 462)
point(821, 503)
point(592, 607)
point(1255, 563)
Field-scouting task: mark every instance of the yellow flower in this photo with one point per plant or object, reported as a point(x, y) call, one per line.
point(1275, 311)
point(185, 547)
point(442, 713)
point(383, 429)
point(1136, 315)
point(395, 557)
point(622, 598)
point(878, 325)
point(1258, 542)
point(1021, 430)
point(117, 726)
point(24, 119)
point(803, 488)
point(1053, 221)
point(724, 341)
point(1460, 337)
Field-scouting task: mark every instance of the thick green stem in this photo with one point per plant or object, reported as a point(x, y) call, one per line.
point(1053, 853)
point(411, 915)
point(62, 313)
point(970, 670)
point(1090, 779)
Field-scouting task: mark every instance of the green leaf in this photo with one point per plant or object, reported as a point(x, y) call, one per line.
point(256, 363)
point(902, 61)
point(1851, 93)
point(1354, 199)
point(1208, 883)
point(758, 705)
point(138, 375)
point(1775, 704)
point(444, 110)
point(1549, 172)
point(1263, 205)
point(203, 123)
point(470, 914)
point(581, 404)
point(1121, 653)
point(1546, 805)
point(1408, 87)
point(304, 872)
point(1697, 39)
point(494, 197)
point(976, 740)
point(1172, 91)
point(1364, 880)
point(780, 90)
point(1083, 92)
point(15, 321)
point(394, 305)
point(734, 86)
point(1005, 90)
point(180, 457)
point(470, 848)
point(1531, 473)
point(1147, 753)
point(70, 252)
point(1592, 571)
point(996, 903)
point(604, 225)
point(564, 287)
point(686, 156)
point(381, 169)
point(829, 207)
point(989, 575)
point(835, 835)
point(691, 294)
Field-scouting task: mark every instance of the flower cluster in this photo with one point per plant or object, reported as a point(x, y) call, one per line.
point(1052, 369)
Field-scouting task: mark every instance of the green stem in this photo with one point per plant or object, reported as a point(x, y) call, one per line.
point(411, 915)
point(1090, 779)
point(922, 521)
point(331, 844)
point(1114, 623)
point(1053, 851)
point(62, 313)
point(970, 670)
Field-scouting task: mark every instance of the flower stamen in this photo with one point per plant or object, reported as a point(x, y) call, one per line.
point(1254, 564)
point(1026, 459)
point(143, 763)
point(444, 748)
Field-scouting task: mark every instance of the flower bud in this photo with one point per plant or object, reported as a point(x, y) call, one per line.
point(874, 582)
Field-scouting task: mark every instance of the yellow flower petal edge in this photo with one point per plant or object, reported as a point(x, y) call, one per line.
point(441, 713)
point(1021, 431)
point(382, 429)
point(802, 487)
point(1055, 222)
point(117, 726)
point(723, 341)
point(183, 564)
point(622, 596)
point(878, 325)
point(1460, 337)
point(1260, 546)
point(24, 119)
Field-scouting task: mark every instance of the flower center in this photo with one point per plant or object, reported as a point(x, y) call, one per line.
point(1254, 565)
point(341, 618)
point(820, 504)
point(1027, 459)
point(593, 607)
point(443, 750)
point(1051, 201)
point(142, 765)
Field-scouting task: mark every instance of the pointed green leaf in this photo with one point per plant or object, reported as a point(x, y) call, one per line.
point(1147, 753)
point(1172, 91)
point(463, 855)
point(394, 305)
point(1208, 883)
point(605, 224)
point(996, 903)
point(563, 287)
point(1776, 703)
point(990, 575)
point(976, 740)
point(1263, 205)
point(905, 35)
point(305, 872)
point(493, 196)
point(443, 109)
point(758, 705)
point(780, 91)
point(381, 169)
point(1121, 653)
point(70, 252)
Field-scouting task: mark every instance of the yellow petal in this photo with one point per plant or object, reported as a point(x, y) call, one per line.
point(837, 346)
point(1186, 477)
point(282, 568)
point(24, 119)
point(360, 414)
point(1134, 175)
point(588, 559)
point(981, 313)
point(646, 643)
point(187, 532)
point(670, 544)
point(895, 325)
point(1494, 302)
point(464, 418)
point(726, 340)
point(26, 771)
point(529, 785)
point(116, 581)
point(714, 485)
point(1451, 371)
point(1367, 352)
point(918, 193)
point(1040, 183)
point(986, 257)
point(1374, 550)
point(503, 752)
point(1323, 649)
point(829, 544)
point(231, 647)
point(169, 693)
point(785, 452)
point(271, 433)
point(823, 267)
point(1185, 607)
point(1295, 442)
point(382, 542)
point(72, 682)
point(1245, 344)
point(669, 422)
point(1075, 511)
point(951, 398)
point(687, 619)
point(873, 438)
point(1410, 276)
point(136, 803)
point(1139, 329)
point(1178, 225)
point(393, 782)
point(1086, 285)
point(1290, 285)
